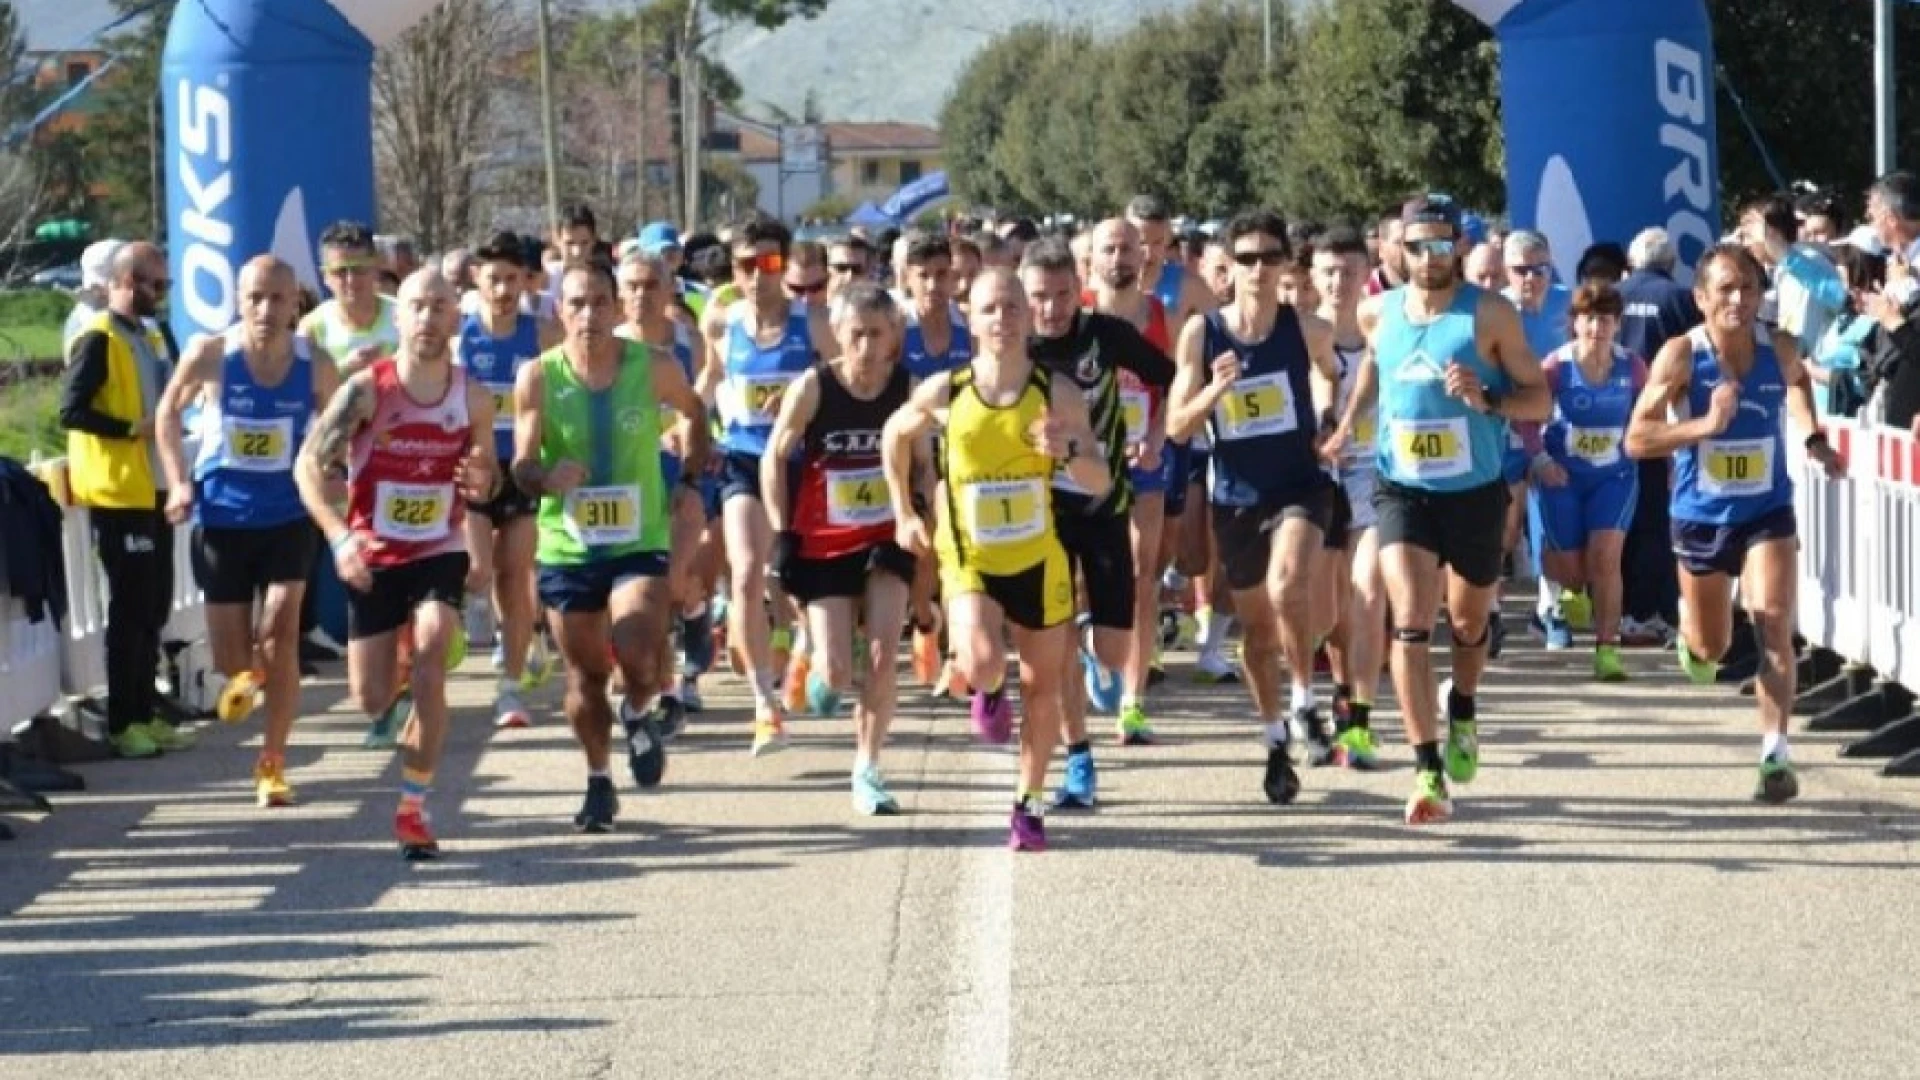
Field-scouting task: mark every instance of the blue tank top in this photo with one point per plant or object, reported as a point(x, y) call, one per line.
point(1173, 277)
point(1740, 474)
point(756, 376)
point(495, 361)
point(1264, 428)
point(1551, 326)
point(1588, 432)
point(1429, 440)
point(922, 364)
point(243, 474)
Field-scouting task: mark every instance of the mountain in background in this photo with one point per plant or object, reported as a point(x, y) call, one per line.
point(896, 59)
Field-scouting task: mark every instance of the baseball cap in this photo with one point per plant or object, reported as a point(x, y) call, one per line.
point(1433, 208)
point(657, 237)
point(96, 263)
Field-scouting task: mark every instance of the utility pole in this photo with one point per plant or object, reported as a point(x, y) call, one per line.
point(546, 120)
point(693, 111)
point(1884, 148)
point(1266, 34)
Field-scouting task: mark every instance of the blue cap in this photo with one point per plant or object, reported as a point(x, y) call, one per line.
point(658, 237)
point(1473, 227)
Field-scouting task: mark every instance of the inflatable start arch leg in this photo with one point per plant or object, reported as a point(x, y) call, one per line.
point(1609, 109)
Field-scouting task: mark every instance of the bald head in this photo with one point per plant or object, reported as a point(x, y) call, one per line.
point(269, 299)
point(1115, 254)
point(428, 311)
point(999, 314)
point(269, 270)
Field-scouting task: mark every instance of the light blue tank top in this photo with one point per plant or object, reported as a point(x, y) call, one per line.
point(1740, 474)
point(496, 361)
point(250, 433)
point(1427, 439)
point(756, 376)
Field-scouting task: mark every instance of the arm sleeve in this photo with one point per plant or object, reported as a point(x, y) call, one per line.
point(86, 374)
point(1133, 352)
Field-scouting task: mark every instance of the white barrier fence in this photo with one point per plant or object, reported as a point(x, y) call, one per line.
point(38, 665)
point(1859, 585)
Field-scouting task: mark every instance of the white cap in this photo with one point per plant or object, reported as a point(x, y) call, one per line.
point(1866, 240)
point(96, 263)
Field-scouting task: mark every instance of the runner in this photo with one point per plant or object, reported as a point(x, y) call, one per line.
point(655, 317)
point(415, 427)
point(252, 540)
point(1544, 318)
point(834, 549)
point(1092, 350)
point(586, 437)
point(1716, 400)
point(1254, 372)
point(495, 342)
point(1162, 274)
point(1116, 250)
point(849, 260)
point(756, 347)
point(1451, 368)
point(1198, 559)
point(357, 324)
point(1584, 482)
point(1356, 647)
point(1008, 426)
point(937, 341)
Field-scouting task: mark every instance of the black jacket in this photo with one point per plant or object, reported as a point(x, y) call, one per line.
point(32, 544)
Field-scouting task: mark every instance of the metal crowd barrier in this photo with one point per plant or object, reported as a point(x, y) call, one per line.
point(1860, 590)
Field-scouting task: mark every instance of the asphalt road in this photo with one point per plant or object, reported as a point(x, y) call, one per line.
point(1608, 903)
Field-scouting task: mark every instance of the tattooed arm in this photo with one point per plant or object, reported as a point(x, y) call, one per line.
point(326, 445)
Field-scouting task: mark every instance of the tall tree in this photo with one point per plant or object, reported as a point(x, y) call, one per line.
point(125, 125)
point(432, 92)
point(976, 112)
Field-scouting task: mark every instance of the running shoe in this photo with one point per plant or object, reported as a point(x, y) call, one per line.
point(1496, 637)
point(1082, 782)
point(1698, 671)
point(497, 659)
point(1211, 668)
point(539, 667)
point(168, 737)
point(1306, 728)
point(781, 641)
point(1463, 740)
point(822, 699)
point(384, 732)
point(1559, 634)
point(689, 694)
point(1132, 728)
point(926, 656)
point(993, 717)
point(1342, 705)
point(1281, 783)
point(953, 684)
point(415, 838)
point(646, 750)
point(1156, 673)
point(1355, 748)
point(599, 808)
point(238, 698)
point(457, 647)
point(1103, 686)
point(1606, 664)
point(1429, 804)
point(1778, 784)
point(1577, 609)
point(134, 743)
point(671, 716)
point(794, 686)
point(509, 711)
point(270, 787)
point(870, 795)
point(1026, 830)
point(769, 733)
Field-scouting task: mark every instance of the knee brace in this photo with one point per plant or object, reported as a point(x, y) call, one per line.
point(1413, 636)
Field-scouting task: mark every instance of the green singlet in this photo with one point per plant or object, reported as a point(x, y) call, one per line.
point(622, 507)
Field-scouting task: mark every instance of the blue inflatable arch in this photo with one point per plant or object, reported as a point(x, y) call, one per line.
point(1608, 107)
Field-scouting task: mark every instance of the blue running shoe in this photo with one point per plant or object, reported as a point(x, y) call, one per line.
point(1103, 686)
point(1077, 792)
point(1559, 634)
point(823, 699)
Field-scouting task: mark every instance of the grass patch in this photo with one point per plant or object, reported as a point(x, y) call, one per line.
point(29, 342)
point(29, 419)
point(31, 322)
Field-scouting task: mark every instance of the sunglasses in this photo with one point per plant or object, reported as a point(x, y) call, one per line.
point(1530, 269)
point(1438, 249)
point(770, 262)
point(1268, 257)
point(806, 288)
point(846, 268)
point(352, 266)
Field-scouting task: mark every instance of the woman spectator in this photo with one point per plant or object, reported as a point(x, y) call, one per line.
point(1839, 384)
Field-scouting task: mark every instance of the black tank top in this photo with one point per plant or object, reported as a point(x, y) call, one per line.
point(1264, 428)
point(841, 505)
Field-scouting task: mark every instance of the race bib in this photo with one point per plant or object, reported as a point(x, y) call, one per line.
point(414, 513)
point(759, 396)
point(1732, 468)
point(1255, 407)
point(1003, 512)
point(1432, 449)
point(1135, 407)
point(502, 405)
point(604, 515)
point(1366, 428)
point(259, 445)
point(1598, 447)
point(1063, 477)
point(857, 497)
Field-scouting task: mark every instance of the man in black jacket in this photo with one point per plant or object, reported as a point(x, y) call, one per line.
point(1893, 209)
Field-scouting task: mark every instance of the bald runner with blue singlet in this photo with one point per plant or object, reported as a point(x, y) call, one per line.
point(1450, 370)
point(1717, 400)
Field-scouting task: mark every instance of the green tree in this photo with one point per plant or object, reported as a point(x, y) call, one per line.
point(1049, 149)
point(126, 122)
point(1390, 97)
point(976, 113)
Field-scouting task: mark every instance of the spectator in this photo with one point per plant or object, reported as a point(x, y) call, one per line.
point(96, 265)
point(1837, 363)
point(1822, 221)
point(1893, 209)
point(1482, 267)
point(118, 365)
point(1604, 263)
point(1658, 307)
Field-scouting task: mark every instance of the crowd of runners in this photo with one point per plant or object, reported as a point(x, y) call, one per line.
point(1037, 447)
